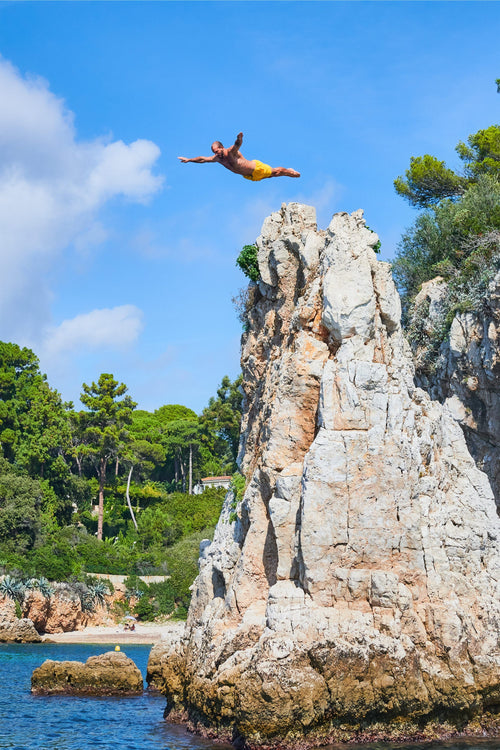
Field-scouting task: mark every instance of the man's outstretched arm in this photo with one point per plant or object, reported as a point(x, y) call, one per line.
point(237, 144)
point(197, 159)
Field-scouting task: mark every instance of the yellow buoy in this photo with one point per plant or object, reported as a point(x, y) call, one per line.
point(117, 648)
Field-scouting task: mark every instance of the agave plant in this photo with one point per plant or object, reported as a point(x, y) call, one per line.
point(136, 593)
point(45, 588)
point(87, 601)
point(12, 589)
point(98, 590)
point(31, 583)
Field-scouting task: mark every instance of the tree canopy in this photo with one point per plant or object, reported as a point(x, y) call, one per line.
point(455, 237)
point(428, 180)
point(58, 462)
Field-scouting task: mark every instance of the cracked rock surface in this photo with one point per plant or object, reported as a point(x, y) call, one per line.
point(357, 593)
point(466, 374)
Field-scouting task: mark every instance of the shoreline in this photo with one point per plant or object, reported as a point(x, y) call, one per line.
point(144, 634)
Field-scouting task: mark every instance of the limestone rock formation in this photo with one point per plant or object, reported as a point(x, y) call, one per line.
point(62, 612)
point(466, 374)
point(170, 640)
point(14, 629)
point(357, 593)
point(112, 673)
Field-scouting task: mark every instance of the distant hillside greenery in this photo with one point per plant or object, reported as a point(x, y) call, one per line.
point(456, 235)
point(108, 488)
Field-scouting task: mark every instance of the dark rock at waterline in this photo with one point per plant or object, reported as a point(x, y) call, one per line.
point(112, 673)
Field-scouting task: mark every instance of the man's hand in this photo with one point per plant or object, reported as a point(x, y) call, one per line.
point(183, 159)
point(239, 140)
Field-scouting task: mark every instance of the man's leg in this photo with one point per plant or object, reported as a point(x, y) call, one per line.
point(284, 172)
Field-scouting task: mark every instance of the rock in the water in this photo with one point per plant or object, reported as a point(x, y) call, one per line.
point(112, 673)
point(357, 593)
point(14, 629)
point(171, 639)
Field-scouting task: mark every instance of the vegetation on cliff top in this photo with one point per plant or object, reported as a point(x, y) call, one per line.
point(455, 237)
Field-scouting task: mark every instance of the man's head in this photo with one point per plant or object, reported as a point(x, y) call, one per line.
point(217, 148)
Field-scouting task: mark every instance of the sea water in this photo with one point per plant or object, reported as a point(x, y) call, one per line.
point(30, 722)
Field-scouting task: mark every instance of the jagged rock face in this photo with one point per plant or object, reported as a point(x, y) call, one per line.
point(112, 673)
point(14, 629)
point(62, 612)
point(358, 590)
point(466, 375)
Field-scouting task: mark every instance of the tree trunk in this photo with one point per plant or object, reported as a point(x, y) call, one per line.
point(183, 474)
point(79, 464)
point(190, 468)
point(102, 481)
point(128, 497)
point(117, 466)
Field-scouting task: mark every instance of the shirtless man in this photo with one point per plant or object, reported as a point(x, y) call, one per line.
point(231, 158)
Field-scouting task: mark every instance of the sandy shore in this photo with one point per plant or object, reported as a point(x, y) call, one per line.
point(144, 633)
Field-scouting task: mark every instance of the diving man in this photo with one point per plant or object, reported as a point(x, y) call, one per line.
point(232, 159)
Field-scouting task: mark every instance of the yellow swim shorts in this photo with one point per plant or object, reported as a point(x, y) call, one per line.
point(260, 172)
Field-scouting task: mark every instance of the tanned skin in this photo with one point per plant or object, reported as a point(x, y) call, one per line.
point(233, 159)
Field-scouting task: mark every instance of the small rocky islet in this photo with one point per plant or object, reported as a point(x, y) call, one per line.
point(353, 592)
point(112, 673)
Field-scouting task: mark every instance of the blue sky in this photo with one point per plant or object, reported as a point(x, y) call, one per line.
point(118, 258)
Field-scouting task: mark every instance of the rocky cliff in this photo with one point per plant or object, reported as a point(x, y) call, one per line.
point(466, 373)
point(357, 592)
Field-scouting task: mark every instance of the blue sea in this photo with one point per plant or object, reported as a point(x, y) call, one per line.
point(131, 723)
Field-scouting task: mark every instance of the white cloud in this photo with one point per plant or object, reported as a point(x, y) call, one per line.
point(52, 188)
point(113, 328)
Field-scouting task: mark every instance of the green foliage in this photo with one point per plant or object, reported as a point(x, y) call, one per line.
point(18, 371)
point(19, 611)
point(54, 461)
point(157, 527)
point(442, 238)
point(481, 154)
point(145, 610)
point(378, 244)
point(45, 588)
point(459, 241)
point(238, 483)
point(20, 503)
point(247, 261)
point(98, 591)
point(182, 567)
point(173, 412)
point(135, 587)
point(428, 181)
point(179, 516)
point(221, 421)
point(12, 588)
point(104, 428)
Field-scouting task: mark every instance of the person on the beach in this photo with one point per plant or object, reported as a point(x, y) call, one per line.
point(232, 159)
